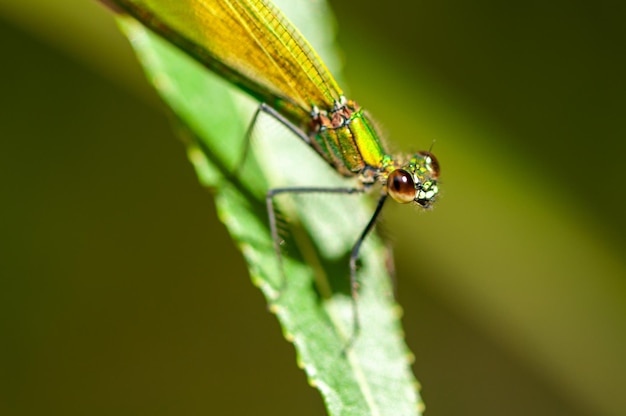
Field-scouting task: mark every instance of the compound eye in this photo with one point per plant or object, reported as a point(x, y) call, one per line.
point(432, 164)
point(401, 187)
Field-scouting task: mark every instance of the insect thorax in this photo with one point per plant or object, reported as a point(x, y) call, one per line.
point(346, 138)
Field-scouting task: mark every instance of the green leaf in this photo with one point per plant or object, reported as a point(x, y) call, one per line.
point(371, 377)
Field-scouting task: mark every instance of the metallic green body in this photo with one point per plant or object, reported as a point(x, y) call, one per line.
point(347, 140)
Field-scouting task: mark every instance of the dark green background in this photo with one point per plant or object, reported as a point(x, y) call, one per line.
point(121, 293)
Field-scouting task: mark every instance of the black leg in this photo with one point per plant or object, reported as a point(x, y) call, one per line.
point(271, 212)
point(355, 250)
point(264, 108)
point(354, 282)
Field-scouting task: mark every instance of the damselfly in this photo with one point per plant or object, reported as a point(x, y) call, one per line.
point(253, 45)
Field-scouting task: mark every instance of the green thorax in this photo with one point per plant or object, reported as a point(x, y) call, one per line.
point(346, 138)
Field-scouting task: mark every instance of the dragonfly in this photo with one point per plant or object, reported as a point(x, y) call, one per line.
point(254, 46)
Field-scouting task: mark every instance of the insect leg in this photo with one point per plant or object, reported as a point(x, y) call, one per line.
point(264, 108)
point(356, 325)
point(271, 212)
point(354, 256)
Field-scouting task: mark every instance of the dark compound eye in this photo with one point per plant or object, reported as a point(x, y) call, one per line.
point(400, 186)
point(431, 162)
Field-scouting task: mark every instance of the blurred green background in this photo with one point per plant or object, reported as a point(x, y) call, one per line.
point(121, 293)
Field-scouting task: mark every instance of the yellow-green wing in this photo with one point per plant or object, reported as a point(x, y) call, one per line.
point(251, 43)
point(278, 56)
